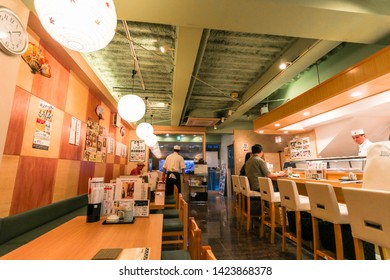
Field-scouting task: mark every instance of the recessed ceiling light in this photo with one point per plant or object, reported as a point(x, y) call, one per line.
point(356, 93)
point(261, 131)
point(277, 124)
point(306, 113)
point(285, 132)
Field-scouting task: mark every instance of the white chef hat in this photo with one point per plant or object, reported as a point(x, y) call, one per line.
point(357, 132)
point(176, 147)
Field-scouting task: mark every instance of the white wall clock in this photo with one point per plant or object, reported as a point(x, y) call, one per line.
point(13, 35)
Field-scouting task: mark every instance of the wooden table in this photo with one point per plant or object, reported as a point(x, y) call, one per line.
point(79, 240)
point(337, 185)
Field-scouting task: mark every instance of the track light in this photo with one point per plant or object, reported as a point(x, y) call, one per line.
point(284, 65)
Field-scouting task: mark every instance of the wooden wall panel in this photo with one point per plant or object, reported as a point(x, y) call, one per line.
point(100, 170)
point(8, 169)
point(66, 179)
point(110, 158)
point(33, 184)
point(93, 102)
point(109, 174)
point(77, 98)
point(122, 169)
point(54, 89)
point(70, 151)
point(87, 170)
point(17, 123)
point(55, 135)
point(117, 171)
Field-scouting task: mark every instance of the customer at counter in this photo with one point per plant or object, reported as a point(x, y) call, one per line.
point(256, 167)
point(137, 170)
point(376, 173)
point(360, 138)
point(242, 170)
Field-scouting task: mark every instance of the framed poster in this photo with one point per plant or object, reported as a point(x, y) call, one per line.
point(137, 150)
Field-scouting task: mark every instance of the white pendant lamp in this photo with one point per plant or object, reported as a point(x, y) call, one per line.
point(144, 129)
point(131, 107)
point(151, 140)
point(80, 25)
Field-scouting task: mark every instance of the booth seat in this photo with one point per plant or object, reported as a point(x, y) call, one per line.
point(16, 230)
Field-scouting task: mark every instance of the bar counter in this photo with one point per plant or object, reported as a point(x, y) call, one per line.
point(337, 185)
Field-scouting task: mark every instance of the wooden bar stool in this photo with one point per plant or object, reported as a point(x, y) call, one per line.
point(246, 194)
point(291, 200)
point(324, 206)
point(369, 214)
point(237, 196)
point(268, 214)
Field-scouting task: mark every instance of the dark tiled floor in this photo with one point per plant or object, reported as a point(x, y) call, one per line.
point(221, 231)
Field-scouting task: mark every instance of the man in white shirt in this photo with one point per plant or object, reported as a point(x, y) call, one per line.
point(360, 138)
point(376, 173)
point(173, 164)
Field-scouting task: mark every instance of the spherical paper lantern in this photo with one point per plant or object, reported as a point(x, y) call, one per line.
point(131, 107)
point(143, 130)
point(82, 25)
point(151, 140)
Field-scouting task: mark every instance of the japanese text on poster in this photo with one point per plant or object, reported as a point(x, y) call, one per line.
point(43, 126)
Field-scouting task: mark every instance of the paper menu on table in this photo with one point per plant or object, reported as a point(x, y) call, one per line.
point(134, 254)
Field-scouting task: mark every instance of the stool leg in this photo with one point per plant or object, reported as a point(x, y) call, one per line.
point(298, 226)
point(339, 242)
point(316, 237)
point(359, 251)
point(272, 213)
point(284, 229)
point(262, 203)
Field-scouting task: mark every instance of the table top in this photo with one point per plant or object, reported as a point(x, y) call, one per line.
point(79, 240)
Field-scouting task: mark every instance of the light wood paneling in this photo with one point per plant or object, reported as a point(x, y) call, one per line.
point(55, 134)
point(110, 158)
point(66, 180)
point(106, 121)
point(93, 102)
point(77, 98)
point(17, 123)
point(26, 77)
point(70, 151)
point(100, 170)
point(8, 169)
point(34, 183)
point(48, 89)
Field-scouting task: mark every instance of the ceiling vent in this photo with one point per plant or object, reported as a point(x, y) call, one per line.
point(202, 121)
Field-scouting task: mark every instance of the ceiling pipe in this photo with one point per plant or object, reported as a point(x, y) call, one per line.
point(202, 49)
point(127, 31)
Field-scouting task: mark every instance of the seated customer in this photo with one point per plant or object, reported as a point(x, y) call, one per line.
point(376, 173)
point(256, 167)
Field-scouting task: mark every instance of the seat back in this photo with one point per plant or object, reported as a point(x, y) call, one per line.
point(369, 212)
point(323, 202)
point(195, 239)
point(245, 187)
point(289, 196)
point(183, 215)
point(266, 189)
point(207, 253)
point(236, 183)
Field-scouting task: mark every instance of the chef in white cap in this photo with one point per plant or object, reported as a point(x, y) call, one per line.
point(359, 137)
point(173, 164)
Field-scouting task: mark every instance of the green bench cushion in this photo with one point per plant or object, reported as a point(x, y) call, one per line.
point(15, 225)
point(172, 225)
point(175, 255)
